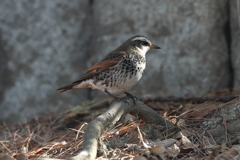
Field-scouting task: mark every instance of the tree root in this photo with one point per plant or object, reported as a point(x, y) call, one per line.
point(219, 131)
point(110, 117)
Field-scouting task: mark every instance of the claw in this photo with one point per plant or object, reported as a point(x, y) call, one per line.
point(132, 97)
point(122, 99)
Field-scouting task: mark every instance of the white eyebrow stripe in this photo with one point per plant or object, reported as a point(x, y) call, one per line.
point(139, 38)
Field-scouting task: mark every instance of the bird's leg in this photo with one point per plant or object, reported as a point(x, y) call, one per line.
point(116, 98)
point(132, 97)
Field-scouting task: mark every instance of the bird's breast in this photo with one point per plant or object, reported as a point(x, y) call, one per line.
point(122, 77)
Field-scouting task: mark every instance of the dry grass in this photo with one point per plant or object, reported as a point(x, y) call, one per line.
point(62, 137)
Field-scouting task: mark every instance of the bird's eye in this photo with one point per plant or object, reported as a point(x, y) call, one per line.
point(145, 44)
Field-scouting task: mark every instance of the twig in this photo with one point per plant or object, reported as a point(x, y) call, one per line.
point(6, 147)
point(79, 130)
point(225, 127)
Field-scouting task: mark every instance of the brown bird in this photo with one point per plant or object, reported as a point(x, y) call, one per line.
point(118, 71)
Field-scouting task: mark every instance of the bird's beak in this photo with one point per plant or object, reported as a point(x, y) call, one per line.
point(154, 47)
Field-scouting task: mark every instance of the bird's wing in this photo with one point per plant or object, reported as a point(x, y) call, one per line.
point(109, 61)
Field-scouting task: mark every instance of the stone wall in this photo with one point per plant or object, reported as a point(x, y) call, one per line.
point(47, 44)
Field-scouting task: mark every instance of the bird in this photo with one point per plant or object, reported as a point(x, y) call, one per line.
point(118, 71)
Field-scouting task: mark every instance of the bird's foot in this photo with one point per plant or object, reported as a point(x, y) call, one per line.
point(117, 98)
point(132, 97)
point(122, 99)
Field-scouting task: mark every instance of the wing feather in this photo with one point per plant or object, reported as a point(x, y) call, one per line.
point(109, 61)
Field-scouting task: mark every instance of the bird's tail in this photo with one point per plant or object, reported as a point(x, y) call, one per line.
point(65, 88)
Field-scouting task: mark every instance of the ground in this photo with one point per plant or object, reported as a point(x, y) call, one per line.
point(208, 129)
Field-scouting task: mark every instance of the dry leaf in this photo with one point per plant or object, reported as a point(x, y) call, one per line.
point(186, 143)
point(236, 147)
point(5, 157)
point(158, 149)
point(173, 151)
point(139, 158)
point(21, 156)
point(237, 157)
point(184, 132)
point(127, 118)
point(166, 143)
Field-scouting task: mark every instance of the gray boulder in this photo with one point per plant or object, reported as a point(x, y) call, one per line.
point(194, 56)
point(235, 42)
point(43, 45)
point(47, 44)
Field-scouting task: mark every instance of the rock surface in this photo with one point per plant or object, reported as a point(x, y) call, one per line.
point(42, 47)
point(235, 42)
point(47, 44)
point(190, 34)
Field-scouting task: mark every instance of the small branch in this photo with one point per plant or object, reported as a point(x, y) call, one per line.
point(110, 117)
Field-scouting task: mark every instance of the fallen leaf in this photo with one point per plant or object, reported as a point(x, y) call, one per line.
point(139, 158)
point(166, 143)
point(186, 143)
point(20, 156)
point(185, 132)
point(5, 157)
point(173, 151)
point(237, 157)
point(158, 149)
point(237, 148)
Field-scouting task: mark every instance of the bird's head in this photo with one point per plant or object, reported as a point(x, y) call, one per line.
point(141, 43)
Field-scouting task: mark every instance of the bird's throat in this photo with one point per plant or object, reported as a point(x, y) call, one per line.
point(142, 50)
